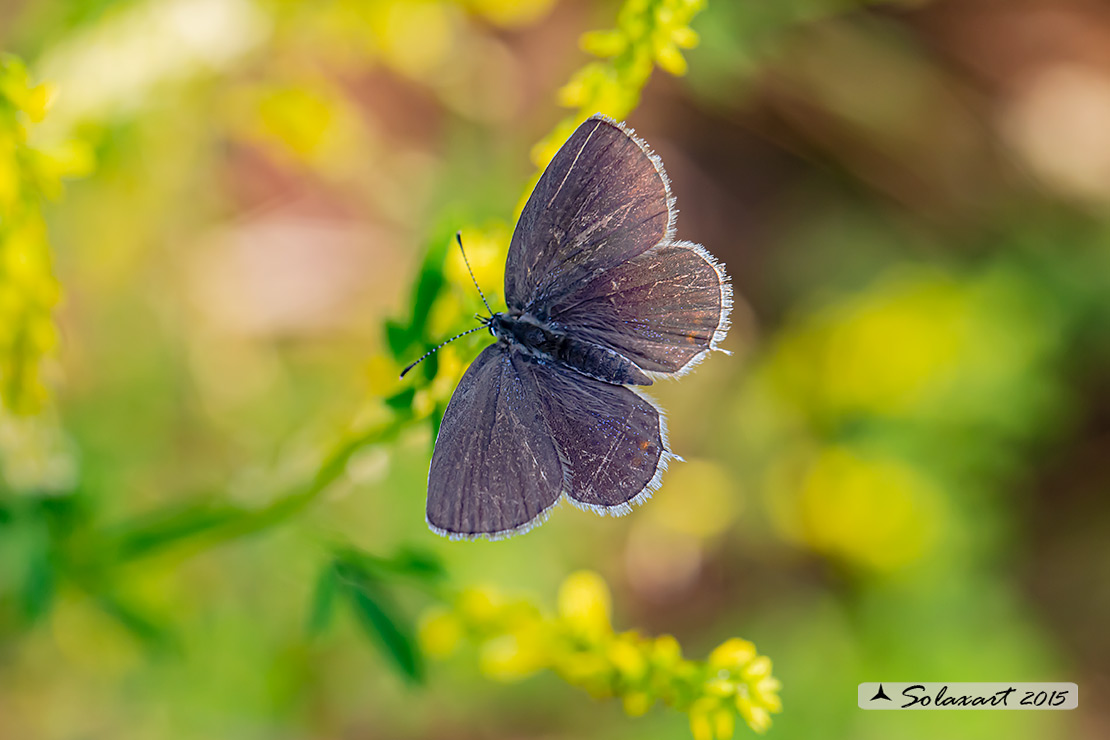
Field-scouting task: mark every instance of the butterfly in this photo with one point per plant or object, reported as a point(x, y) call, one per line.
point(601, 301)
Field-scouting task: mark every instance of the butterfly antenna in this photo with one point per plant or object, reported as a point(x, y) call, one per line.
point(430, 352)
point(458, 238)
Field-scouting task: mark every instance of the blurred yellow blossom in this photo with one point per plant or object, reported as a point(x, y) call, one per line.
point(28, 289)
point(584, 604)
point(578, 643)
point(916, 344)
point(509, 13)
point(864, 509)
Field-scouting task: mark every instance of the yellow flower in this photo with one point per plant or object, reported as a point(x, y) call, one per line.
point(756, 716)
point(479, 606)
point(732, 655)
point(584, 604)
point(759, 667)
point(626, 655)
point(701, 718)
point(514, 656)
point(637, 703)
point(439, 633)
point(517, 639)
point(666, 651)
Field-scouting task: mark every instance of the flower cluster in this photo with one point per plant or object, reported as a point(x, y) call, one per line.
point(28, 290)
point(516, 639)
point(649, 34)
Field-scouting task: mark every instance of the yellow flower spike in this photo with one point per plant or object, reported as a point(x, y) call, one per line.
point(647, 33)
point(439, 633)
point(732, 654)
point(27, 176)
point(584, 604)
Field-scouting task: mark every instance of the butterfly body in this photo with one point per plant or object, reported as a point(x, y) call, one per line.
point(550, 344)
point(601, 299)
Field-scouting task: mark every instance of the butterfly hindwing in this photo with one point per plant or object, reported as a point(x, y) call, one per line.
point(612, 441)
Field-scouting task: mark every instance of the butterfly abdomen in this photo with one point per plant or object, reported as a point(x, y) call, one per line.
point(547, 344)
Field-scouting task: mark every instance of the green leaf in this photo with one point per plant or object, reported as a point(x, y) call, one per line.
point(146, 536)
point(407, 562)
point(38, 584)
point(154, 635)
point(428, 288)
point(401, 400)
point(431, 367)
point(419, 564)
point(323, 601)
point(398, 338)
point(380, 621)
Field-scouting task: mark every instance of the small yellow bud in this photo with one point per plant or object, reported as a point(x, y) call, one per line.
point(670, 59)
point(479, 606)
point(758, 668)
point(685, 37)
point(721, 687)
point(511, 657)
point(584, 604)
point(603, 43)
point(586, 670)
point(732, 655)
point(439, 633)
point(754, 715)
point(701, 718)
point(627, 658)
point(724, 724)
point(637, 703)
point(666, 650)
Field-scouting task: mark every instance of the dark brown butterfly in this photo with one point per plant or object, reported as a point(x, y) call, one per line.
point(601, 299)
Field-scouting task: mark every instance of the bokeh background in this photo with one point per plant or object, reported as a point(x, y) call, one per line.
point(900, 474)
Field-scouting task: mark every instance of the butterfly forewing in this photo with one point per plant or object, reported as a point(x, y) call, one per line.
point(602, 201)
point(495, 468)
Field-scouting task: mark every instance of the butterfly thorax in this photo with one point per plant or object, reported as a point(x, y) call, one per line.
point(551, 344)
